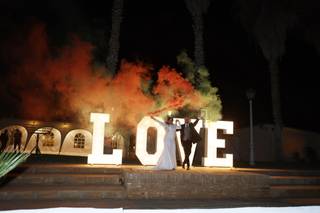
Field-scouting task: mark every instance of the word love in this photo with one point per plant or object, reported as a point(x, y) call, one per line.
point(212, 143)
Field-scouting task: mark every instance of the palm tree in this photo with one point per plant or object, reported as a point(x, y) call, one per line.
point(268, 22)
point(10, 160)
point(309, 23)
point(196, 72)
point(198, 8)
point(114, 44)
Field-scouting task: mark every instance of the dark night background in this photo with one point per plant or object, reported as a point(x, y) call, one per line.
point(157, 31)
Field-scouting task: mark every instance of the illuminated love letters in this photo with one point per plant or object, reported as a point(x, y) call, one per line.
point(211, 143)
point(97, 156)
point(141, 141)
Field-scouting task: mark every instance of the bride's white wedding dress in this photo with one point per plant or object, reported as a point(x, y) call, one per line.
point(167, 160)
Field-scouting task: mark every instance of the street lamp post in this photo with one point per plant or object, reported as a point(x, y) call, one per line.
point(250, 95)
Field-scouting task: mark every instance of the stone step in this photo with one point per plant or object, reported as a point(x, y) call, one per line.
point(281, 172)
point(64, 179)
point(303, 201)
point(68, 168)
point(295, 180)
point(51, 192)
point(295, 191)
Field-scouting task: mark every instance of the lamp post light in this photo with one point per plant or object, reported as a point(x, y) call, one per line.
point(250, 95)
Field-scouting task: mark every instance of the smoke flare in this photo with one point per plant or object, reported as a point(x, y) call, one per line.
point(65, 85)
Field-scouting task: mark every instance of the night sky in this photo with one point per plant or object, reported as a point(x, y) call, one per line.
point(155, 32)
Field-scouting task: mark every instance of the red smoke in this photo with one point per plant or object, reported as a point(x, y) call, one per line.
point(174, 91)
point(65, 86)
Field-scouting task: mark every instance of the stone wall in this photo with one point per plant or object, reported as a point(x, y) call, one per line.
point(195, 185)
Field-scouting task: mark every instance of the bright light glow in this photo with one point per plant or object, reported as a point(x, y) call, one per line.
point(33, 123)
point(97, 156)
point(213, 143)
point(194, 146)
point(141, 141)
point(66, 125)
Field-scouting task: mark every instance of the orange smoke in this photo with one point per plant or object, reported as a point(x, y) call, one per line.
point(65, 86)
point(174, 91)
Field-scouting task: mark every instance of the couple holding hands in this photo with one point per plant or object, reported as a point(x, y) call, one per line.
point(188, 135)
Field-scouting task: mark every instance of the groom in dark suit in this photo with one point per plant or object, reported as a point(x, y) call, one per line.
point(188, 136)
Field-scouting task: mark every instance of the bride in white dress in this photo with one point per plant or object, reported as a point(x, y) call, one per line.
point(167, 160)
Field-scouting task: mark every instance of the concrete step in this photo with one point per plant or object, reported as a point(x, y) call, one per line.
point(295, 180)
point(67, 168)
point(64, 179)
point(303, 201)
point(53, 192)
point(281, 172)
point(295, 191)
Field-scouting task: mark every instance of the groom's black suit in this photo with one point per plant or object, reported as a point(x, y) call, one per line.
point(187, 140)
